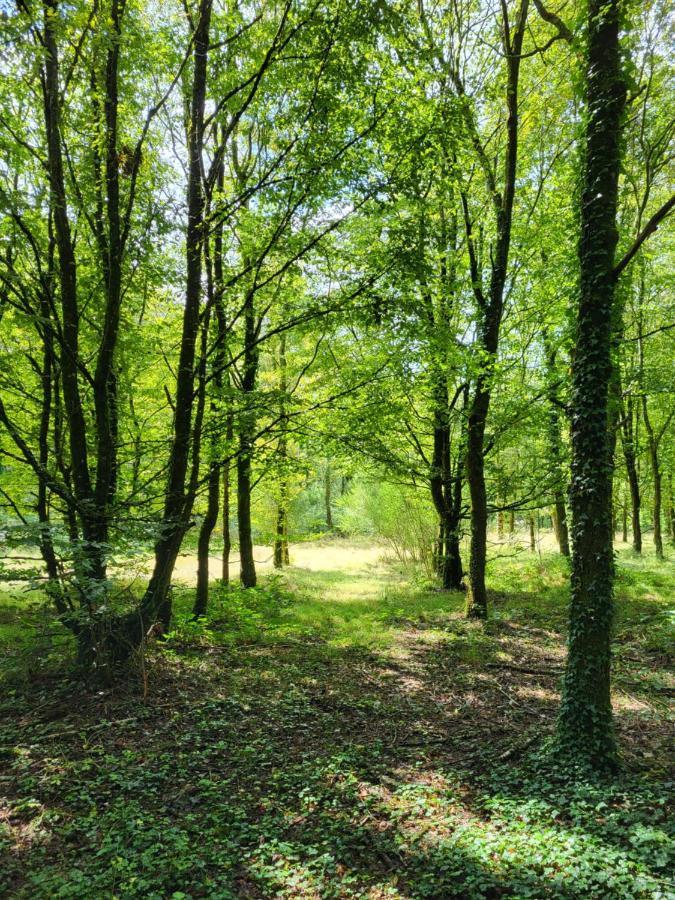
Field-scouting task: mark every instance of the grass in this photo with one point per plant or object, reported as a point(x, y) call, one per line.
point(339, 733)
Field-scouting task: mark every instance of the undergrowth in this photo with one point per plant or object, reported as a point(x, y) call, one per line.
point(336, 735)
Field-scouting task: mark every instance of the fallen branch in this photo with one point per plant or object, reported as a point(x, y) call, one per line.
point(518, 749)
point(525, 670)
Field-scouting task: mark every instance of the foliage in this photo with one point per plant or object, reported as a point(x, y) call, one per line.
point(312, 757)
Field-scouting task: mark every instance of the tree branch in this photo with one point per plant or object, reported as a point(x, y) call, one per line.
point(649, 229)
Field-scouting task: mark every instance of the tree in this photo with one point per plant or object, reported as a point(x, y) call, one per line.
point(585, 723)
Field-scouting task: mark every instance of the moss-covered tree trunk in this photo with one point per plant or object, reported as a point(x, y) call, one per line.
point(585, 722)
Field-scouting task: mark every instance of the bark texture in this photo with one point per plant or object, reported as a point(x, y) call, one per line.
point(585, 729)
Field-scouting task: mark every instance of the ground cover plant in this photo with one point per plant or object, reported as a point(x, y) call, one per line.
point(345, 733)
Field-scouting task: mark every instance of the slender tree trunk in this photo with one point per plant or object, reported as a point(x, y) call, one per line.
point(628, 443)
point(90, 553)
point(281, 554)
point(216, 290)
point(105, 378)
point(452, 571)
point(512, 522)
point(624, 534)
point(585, 730)
point(670, 510)
point(562, 533)
point(555, 445)
point(328, 491)
point(439, 549)
point(227, 537)
point(446, 491)
point(533, 542)
point(115, 639)
point(475, 475)
point(500, 524)
point(47, 378)
point(491, 310)
point(204, 540)
point(247, 573)
point(652, 443)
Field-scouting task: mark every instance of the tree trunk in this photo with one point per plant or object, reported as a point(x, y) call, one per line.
point(247, 573)
point(627, 441)
point(656, 477)
point(652, 439)
point(328, 478)
point(113, 639)
point(227, 537)
point(476, 607)
point(561, 531)
point(500, 524)
point(90, 552)
point(491, 310)
point(555, 445)
point(624, 524)
point(585, 728)
point(281, 554)
point(446, 491)
point(670, 510)
point(204, 540)
point(216, 290)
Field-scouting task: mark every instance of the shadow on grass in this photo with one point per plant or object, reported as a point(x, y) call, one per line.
point(363, 747)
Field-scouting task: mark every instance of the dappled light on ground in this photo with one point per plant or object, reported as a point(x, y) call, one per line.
point(352, 742)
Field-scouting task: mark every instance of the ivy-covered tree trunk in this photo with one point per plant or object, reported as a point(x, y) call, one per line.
point(585, 730)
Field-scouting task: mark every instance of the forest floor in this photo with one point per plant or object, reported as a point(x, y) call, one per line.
point(340, 731)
